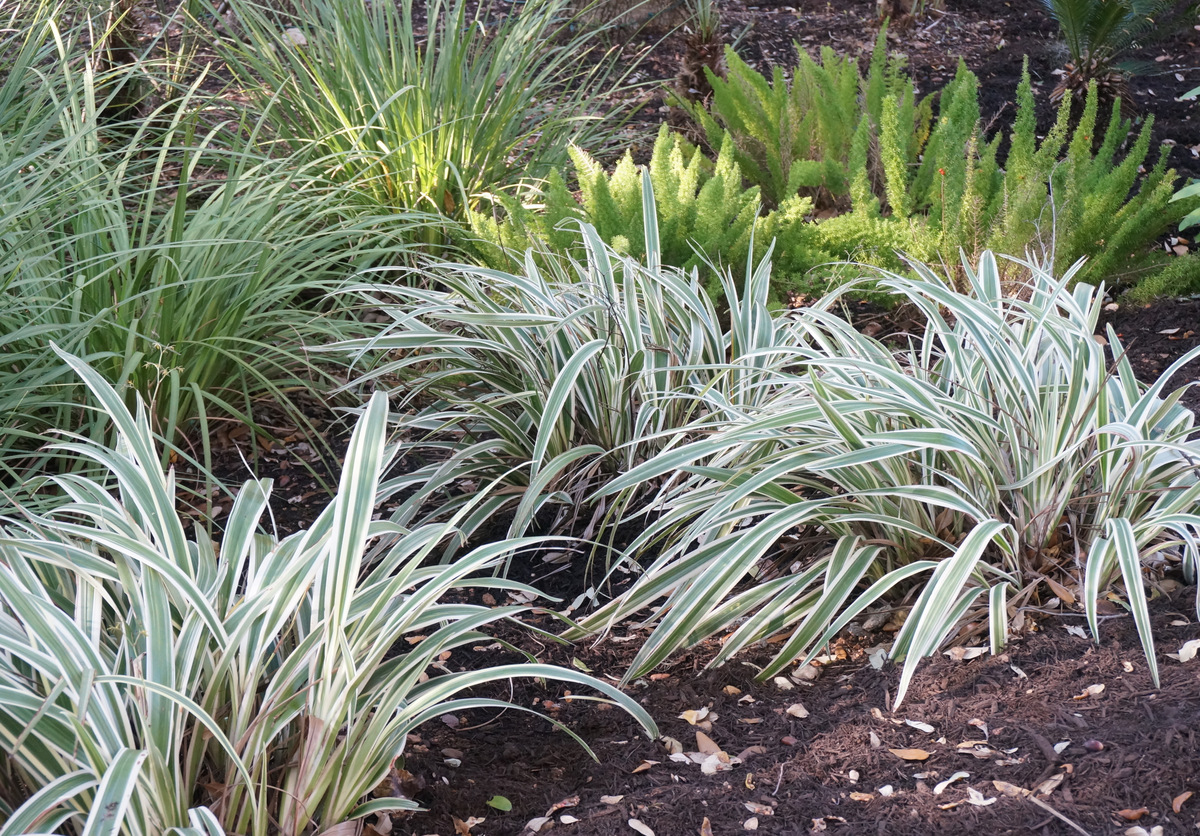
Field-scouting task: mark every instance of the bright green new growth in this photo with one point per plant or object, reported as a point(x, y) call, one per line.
point(705, 216)
point(949, 474)
point(259, 686)
point(795, 138)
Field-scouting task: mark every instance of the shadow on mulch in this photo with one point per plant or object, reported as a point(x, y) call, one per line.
point(1022, 717)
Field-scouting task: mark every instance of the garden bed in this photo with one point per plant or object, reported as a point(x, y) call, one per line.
point(999, 718)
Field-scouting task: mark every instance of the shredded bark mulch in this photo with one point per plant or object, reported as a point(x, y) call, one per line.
point(1080, 725)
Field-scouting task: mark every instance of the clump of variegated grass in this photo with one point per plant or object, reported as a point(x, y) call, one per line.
point(154, 682)
point(538, 387)
point(947, 479)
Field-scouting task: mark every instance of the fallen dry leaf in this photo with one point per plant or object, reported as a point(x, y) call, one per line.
point(536, 825)
point(706, 827)
point(706, 744)
point(1049, 785)
point(797, 710)
point(887, 790)
point(750, 824)
point(640, 828)
point(1011, 790)
point(957, 776)
point(910, 754)
point(694, 716)
point(716, 762)
point(567, 819)
point(806, 673)
point(975, 797)
point(919, 726)
point(644, 765)
point(611, 799)
point(1133, 815)
point(1189, 650)
point(963, 654)
point(1179, 800)
point(1091, 691)
point(569, 801)
point(732, 690)
point(1064, 594)
point(759, 809)
point(672, 745)
point(1141, 831)
point(750, 751)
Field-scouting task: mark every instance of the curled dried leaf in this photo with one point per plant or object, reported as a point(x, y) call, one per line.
point(1133, 815)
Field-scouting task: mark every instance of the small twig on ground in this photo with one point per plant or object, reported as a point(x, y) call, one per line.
point(778, 782)
point(1056, 814)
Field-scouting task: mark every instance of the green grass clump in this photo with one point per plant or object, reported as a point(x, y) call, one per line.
point(425, 122)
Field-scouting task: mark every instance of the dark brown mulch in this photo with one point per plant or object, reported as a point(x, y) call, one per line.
point(1155, 335)
point(1023, 717)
